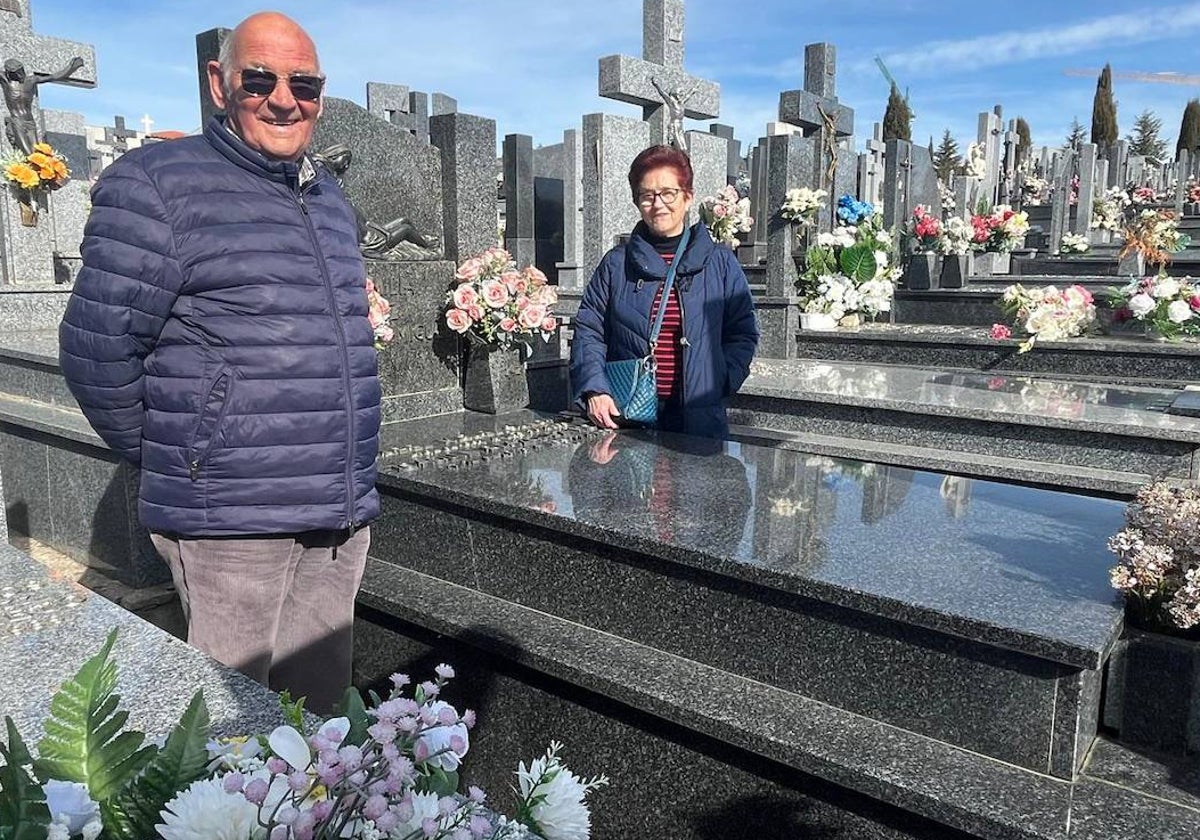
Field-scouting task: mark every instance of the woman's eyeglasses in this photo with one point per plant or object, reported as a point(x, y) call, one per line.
point(305, 88)
point(668, 196)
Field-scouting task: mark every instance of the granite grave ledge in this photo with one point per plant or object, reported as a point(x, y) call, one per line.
point(1116, 359)
point(1062, 609)
point(957, 788)
point(49, 628)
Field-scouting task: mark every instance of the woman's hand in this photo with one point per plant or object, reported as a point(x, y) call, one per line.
point(602, 411)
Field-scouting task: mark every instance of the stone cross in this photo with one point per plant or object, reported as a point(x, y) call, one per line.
point(639, 81)
point(1060, 211)
point(117, 134)
point(1009, 188)
point(1087, 189)
point(870, 168)
point(409, 109)
point(818, 114)
point(147, 123)
point(988, 137)
point(897, 182)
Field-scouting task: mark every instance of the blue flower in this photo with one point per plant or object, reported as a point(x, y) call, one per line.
point(851, 211)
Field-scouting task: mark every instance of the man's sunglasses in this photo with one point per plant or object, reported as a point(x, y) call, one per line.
point(304, 88)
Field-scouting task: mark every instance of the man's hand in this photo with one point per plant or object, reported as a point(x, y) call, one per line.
point(602, 411)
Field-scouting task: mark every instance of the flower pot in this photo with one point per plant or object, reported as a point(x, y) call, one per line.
point(990, 263)
point(817, 322)
point(955, 271)
point(922, 272)
point(494, 380)
point(1152, 692)
point(1132, 264)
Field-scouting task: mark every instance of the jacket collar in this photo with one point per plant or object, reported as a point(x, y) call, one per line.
point(287, 172)
point(643, 262)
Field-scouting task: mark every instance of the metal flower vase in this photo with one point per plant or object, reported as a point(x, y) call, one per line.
point(922, 271)
point(29, 208)
point(955, 270)
point(494, 380)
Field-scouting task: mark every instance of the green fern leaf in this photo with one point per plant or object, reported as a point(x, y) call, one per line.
point(83, 741)
point(858, 262)
point(23, 811)
point(181, 761)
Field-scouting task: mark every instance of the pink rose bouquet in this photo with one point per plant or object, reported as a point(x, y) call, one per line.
point(494, 304)
point(379, 312)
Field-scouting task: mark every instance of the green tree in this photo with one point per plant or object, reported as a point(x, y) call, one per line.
point(946, 158)
point(1104, 111)
point(1189, 129)
point(1145, 140)
point(1076, 135)
point(897, 119)
point(1024, 140)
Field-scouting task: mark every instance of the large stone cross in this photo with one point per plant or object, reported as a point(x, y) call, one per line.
point(39, 53)
point(117, 135)
point(638, 81)
point(819, 115)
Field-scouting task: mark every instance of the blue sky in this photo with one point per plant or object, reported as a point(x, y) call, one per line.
point(532, 64)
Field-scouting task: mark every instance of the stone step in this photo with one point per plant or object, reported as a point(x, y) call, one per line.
point(937, 459)
point(1111, 359)
point(1043, 421)
point(29, 368)
point(644, 709)
point(1184, 264)
point(908, 569)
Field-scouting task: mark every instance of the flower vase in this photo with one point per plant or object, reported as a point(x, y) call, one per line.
point(29, 211)
point(955, 271)
point(494, 380)
point(990, 263)
point(1132, 264)
point(922, 271)
point(817, 322)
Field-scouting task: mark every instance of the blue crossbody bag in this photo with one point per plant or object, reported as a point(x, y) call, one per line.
point(632, 382)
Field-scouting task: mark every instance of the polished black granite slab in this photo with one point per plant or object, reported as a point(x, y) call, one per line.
point(1015, 567)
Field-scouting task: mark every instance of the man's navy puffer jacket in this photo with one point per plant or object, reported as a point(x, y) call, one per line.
point(218, 336)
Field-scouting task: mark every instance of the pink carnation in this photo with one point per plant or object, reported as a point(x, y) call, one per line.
point(1000, 332)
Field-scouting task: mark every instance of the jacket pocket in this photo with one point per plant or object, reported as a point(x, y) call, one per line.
point(213, 408)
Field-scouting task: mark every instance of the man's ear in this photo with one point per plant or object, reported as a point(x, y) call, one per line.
point(216, 85)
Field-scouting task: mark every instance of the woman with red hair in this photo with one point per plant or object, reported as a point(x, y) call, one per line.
point(708, 333)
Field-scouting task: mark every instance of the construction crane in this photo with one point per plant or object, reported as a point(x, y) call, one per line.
point(887, 75)
point(1169, 77)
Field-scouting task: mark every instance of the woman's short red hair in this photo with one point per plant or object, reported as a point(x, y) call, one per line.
point(657, 157)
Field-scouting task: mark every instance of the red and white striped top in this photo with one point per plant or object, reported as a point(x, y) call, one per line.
point(668, 352)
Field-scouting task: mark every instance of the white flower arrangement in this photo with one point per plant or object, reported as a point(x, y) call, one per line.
point(1108, 211)
point(1047, 313)
point(956, 237)
point(800, 206)
point(1168, 305)
point(1074, 243)
point(726, 215)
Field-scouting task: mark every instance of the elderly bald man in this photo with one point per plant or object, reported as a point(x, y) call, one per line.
point(217, 337)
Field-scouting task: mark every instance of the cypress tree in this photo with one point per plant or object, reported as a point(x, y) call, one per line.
point(1145, 140)
point(897, 120)
point(1189, 128)
point(1104, 111)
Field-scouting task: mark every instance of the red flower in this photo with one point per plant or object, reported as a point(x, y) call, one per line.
point(1000, 332)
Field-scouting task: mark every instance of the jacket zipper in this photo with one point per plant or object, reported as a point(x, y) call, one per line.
point(684, 344)
point(200, 458)
point(341, 335)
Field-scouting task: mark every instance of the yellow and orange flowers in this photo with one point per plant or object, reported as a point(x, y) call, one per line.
point(43, 169)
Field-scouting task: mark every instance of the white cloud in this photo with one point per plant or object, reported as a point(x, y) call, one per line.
point(1022, 45)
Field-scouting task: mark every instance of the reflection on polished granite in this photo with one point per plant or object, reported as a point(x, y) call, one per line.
point(1027, 399)
point(1020, 567)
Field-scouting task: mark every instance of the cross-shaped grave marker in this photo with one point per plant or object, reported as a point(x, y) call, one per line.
point(819, 115)
point(638, 81)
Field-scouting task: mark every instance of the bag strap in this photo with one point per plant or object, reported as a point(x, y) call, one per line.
point(667, 286)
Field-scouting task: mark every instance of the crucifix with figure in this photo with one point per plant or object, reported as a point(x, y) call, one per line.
point(657, 80)
point(817, 112)
point(31, 60)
